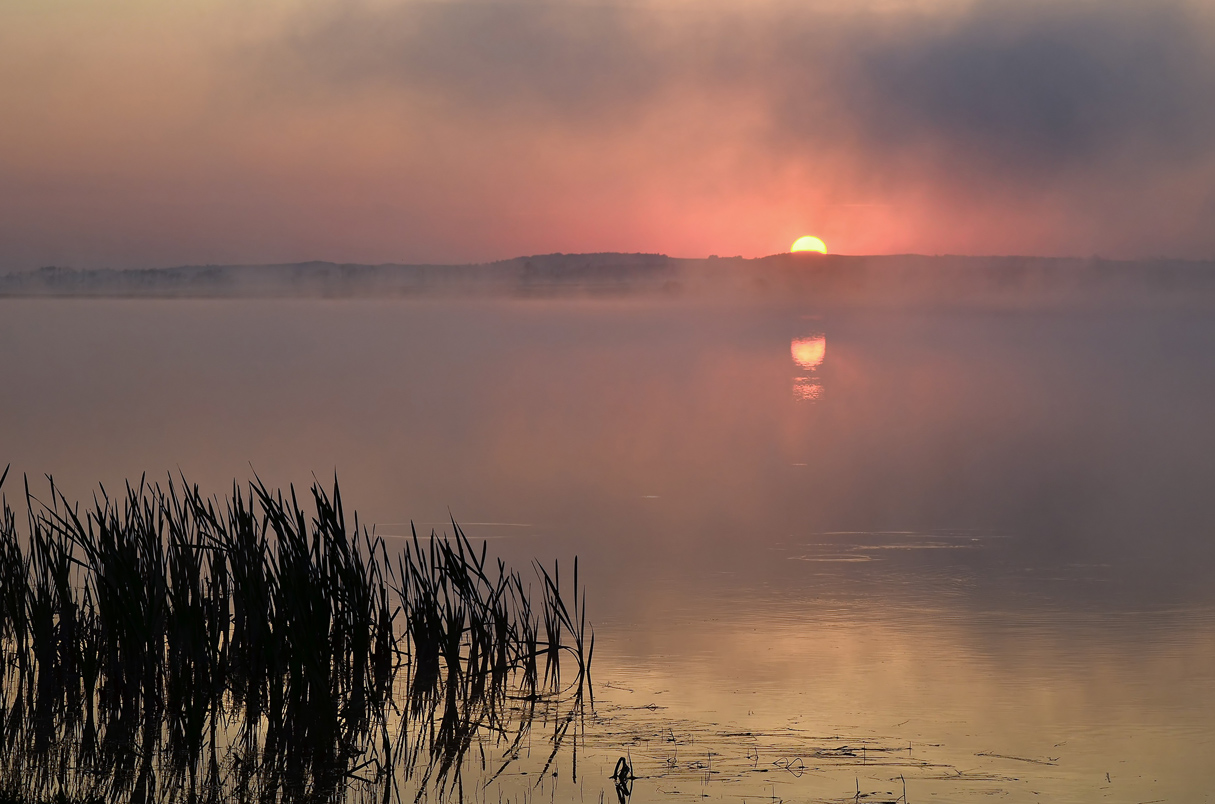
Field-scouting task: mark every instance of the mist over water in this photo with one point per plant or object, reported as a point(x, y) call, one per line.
point(993, 529)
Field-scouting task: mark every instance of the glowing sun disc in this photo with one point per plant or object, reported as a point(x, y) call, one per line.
point(809, 243)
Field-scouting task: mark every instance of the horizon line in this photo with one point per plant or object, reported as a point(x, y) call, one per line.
point(808, 255)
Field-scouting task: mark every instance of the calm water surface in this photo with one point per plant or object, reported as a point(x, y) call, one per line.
point(962, 554)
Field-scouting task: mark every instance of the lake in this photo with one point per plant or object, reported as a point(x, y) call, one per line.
point(830, 553)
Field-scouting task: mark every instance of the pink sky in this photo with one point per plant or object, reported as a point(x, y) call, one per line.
point(141, 134)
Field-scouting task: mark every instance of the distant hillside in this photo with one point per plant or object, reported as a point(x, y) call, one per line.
point(837, 279)
point(552, 273)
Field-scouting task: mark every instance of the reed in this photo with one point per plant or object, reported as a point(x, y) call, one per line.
point(168, 646)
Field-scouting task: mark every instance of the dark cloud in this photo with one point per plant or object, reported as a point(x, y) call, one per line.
point(572, 61)
point(1023, 86)
point(1042, 87)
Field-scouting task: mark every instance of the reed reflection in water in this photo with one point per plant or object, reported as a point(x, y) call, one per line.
point(172, 647)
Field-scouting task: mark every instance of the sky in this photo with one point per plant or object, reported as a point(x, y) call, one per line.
point(139, 133)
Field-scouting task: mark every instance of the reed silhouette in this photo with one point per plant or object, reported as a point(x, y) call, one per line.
point(167, 646)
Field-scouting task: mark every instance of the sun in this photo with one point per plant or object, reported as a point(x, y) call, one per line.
point(809, 243)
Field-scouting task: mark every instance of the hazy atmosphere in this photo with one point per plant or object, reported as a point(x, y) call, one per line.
point(143, 134)
point(636, 401)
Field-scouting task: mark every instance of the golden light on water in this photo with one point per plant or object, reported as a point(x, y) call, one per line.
point(809, 352)
point(807, 389)
point(809, 243)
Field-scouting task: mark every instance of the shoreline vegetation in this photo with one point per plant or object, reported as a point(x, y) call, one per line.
point(162, 645)
point(832, 278)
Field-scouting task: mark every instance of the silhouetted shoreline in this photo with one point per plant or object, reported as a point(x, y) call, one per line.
point(893, 279)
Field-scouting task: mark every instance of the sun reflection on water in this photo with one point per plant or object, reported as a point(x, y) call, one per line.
point(808, 353)
point(808, 388)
